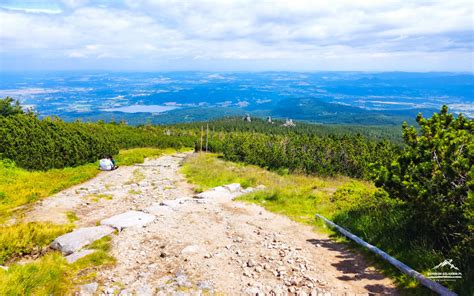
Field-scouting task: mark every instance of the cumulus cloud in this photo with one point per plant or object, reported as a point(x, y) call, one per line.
point(298, 34)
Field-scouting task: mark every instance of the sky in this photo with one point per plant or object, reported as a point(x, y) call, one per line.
point(237, 35)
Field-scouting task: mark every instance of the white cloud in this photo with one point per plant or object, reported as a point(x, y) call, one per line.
point(337, 31)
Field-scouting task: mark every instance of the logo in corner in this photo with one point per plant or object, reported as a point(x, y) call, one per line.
point(448, 263)
point(445, 271)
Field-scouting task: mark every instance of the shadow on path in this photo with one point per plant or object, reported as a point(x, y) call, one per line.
point(353, 266)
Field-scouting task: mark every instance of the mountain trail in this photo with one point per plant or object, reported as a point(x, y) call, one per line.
point(205, 246)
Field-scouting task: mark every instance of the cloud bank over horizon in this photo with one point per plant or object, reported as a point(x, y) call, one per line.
point(216, 35)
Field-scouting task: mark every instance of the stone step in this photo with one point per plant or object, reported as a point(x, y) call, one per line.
point(76, 240)
point(128, 219)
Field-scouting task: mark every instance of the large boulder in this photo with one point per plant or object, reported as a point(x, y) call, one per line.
point(76, 240)
point(128, 219)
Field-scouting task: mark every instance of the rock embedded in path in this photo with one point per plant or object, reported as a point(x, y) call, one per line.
point(229, 191)
point(78, 255)
point(144, 290)
point(76, 240)
point(234, 187)
point(88, 289)
point(128, 219)
point(158, 210)
point(174, 203)
point(191, 249)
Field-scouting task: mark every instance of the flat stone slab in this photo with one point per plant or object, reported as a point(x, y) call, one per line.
point(191, 249)
point(158, 210)
point(128, 219)
point(234, 187)
point(88, 289)
point(76, 240)
point(78, 255)
point(214, 194)
point(229, 191)
point(173, 203)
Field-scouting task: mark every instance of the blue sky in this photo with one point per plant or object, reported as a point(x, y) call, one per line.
point(217, 35)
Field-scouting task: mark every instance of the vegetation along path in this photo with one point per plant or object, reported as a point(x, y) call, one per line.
point(209, 245)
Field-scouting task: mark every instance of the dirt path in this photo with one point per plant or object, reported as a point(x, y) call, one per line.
point(208, 246)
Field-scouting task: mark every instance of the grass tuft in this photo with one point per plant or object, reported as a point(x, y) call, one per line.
point(97, 197)
point(24, 238)
point(46, 276)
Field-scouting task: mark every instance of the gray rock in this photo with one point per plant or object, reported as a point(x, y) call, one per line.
point(220, 189)
point(191, 249)
point(76, 240)
point(253, 291)
point(182, 280)
point(213, 194)
point(144, 290)
point(93, 191)
point(205, 285)
point(4, 267)
point(248, 190)
point(229, 191)
point(234, 187)
point(128, 219)
point(143, 183)
point(158, 210)
point(78, 255)
point(88, 289)
point(173, 203)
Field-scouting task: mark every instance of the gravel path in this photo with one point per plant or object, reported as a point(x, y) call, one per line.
point(212, 246)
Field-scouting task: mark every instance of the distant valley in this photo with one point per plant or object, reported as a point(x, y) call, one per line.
point(169, 97)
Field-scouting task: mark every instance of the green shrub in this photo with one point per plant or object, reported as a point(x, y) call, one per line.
point(51, 143)
point(434, 176)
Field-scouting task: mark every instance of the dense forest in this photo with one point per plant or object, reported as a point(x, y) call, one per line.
point(428, 170)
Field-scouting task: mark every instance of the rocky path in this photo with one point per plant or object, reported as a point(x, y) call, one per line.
point(206, 246)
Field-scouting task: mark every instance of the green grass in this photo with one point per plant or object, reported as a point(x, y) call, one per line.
point(71, 217)
point(97, 197)
point(52, 275)
point(20, 187)
point(356, 205)
point(46, 276)
point(296, 196)
point(25, 238)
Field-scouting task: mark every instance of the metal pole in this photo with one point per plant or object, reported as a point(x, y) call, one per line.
point(202, 131)
point(207, 135)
